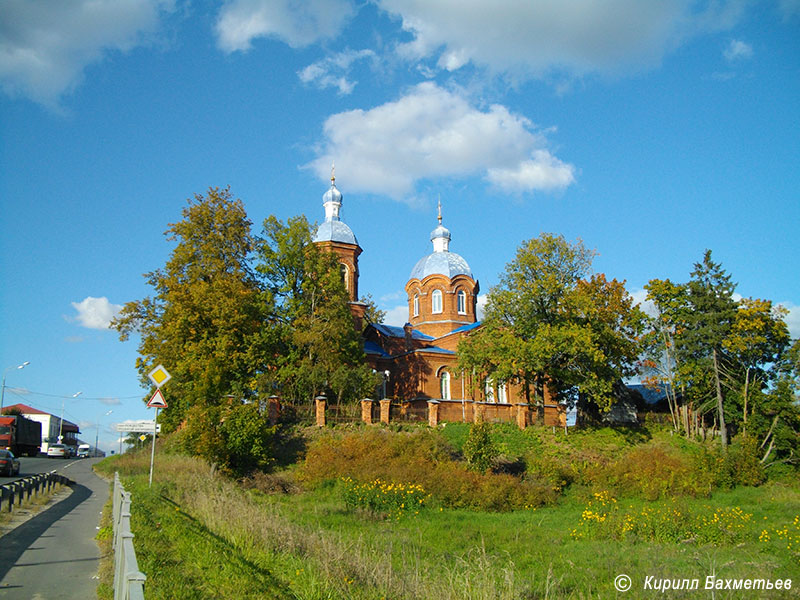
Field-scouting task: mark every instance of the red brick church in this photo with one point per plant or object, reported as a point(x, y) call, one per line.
point(419, 361)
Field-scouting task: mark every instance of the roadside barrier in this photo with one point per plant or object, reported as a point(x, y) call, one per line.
point(17, 491)
point(128, 580)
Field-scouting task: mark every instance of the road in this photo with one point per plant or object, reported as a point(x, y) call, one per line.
point(54, 555)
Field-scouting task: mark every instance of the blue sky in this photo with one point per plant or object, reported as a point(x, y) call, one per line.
point(650, 130)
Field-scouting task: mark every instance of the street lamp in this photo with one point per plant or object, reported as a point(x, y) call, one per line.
point(61, 421)
point(97, 433)
point(3, 392)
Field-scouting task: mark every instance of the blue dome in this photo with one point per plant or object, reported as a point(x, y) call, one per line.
point(335, 231)
point(440, 232)
point(332, 195)
point(448, 264)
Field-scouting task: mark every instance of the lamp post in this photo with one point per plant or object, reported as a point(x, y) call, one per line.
point(3, 392)
point(97, 433)
point(61, 421)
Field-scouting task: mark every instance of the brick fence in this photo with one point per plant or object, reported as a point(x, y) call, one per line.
point(448, 411)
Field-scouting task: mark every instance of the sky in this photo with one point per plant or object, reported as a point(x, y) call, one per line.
point(649, 130)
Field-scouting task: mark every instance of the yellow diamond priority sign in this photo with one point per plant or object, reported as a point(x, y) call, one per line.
point(159, 376)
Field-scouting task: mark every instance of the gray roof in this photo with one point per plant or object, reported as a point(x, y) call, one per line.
point(449, 264)
point(335, 231)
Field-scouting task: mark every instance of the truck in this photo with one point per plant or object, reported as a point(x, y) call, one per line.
point(20, 435)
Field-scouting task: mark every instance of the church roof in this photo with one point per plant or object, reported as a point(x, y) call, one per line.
point(399, 332)
point(441, 263)
point(335, 231)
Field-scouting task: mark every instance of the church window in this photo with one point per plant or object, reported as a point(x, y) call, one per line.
point(502, 393)
point(436, 301)
point(343, 271)
point(488, 389)
point(416, 305)
point(462, 302)
point(445, 385)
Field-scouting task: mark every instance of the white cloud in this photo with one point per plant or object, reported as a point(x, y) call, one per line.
point(647, 306)
point(542, 172)
point(332, 71)
point(792, 319)
point(110, 401)
point(96, 313)
point(45, 46)
point(296, 23)
point(539, 36)
point(397, 316)
point(480, 308)
point(737, 50)
point(432, 132)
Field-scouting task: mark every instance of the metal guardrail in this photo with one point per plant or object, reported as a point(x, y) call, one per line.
point(17, 491)
point(128, 580)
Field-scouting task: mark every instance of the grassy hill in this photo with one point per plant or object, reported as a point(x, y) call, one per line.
point(369, 513)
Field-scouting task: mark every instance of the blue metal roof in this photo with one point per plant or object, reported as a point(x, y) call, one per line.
point(435, 350)
point(445, 263)
point(335, 231)
point(392, 331)
point(463, 328)
point(373, 348)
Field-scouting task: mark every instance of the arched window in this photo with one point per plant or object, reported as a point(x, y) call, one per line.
point(416, 305)
point(462, 302)
point(488, 390)
point(436, 301)
point(444, 385)
point(343, 271)
point(502, 393)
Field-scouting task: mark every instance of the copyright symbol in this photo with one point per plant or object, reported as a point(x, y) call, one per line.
point(622, 583)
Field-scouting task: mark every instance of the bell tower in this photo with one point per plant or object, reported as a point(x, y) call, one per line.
point(334, 235)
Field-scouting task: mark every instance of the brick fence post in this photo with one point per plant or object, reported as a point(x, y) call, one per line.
point(385, 404)
point(480, 413)
point(522, 415)
point(433, 413)
point(321, 403)
point(366, 410)
point(273, 409)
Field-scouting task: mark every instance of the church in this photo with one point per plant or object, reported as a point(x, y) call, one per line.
point(419, 361)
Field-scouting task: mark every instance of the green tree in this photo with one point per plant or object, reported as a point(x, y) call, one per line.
point(708, 322)
point(754, 345)
point(205, 319)
point(320, 350)
point(660, 365)
point(548, 323)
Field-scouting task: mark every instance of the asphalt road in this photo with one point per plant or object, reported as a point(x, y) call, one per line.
point(54, 555)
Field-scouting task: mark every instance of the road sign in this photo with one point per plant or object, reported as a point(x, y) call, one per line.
point(137, 426)
point(157, 401)
point(159, 376)
point(143, 437)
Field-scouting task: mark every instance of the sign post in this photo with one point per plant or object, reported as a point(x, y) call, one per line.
point(159, 376)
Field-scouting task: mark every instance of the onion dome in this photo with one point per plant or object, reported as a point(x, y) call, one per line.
point(441, 261)
point(333, 229)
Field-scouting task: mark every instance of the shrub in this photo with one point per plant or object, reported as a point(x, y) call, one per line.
point(743, 461)
point(479, 449)
point(655, 471)
point(422, 458)
point(236, 438)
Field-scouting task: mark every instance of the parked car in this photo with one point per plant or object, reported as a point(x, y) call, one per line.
point(9, 464)
point(57, 451)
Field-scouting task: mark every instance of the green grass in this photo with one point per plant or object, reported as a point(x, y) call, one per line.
point(199, 535)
